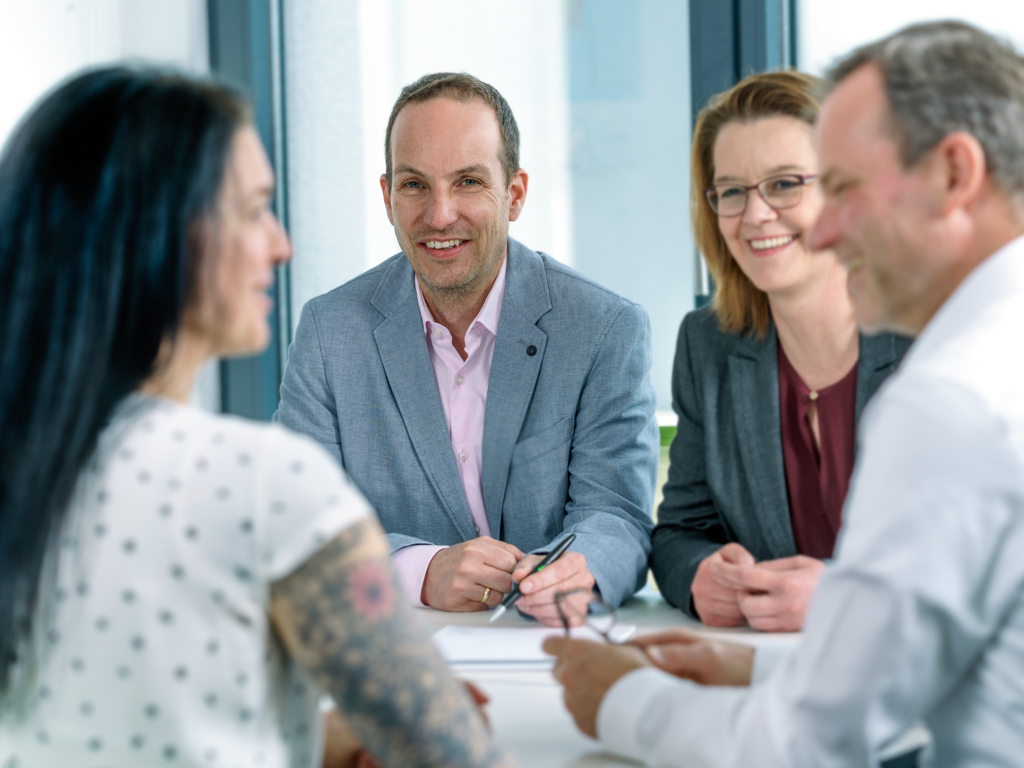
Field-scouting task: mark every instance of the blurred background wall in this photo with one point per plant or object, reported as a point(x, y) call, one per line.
point(600, 89)
point(604, 92)
point(42, 42)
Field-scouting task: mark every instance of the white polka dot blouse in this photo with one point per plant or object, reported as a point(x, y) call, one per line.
point(154, 646)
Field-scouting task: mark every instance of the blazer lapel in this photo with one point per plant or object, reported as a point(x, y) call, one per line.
point(878, 358)
point(754, 383)
point(406, 359)
point(513, 371)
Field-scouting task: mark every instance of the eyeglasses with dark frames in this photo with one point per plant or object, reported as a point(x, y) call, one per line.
point(593, 612)
point(780, 192)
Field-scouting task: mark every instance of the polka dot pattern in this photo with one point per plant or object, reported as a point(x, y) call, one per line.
point(159, 649)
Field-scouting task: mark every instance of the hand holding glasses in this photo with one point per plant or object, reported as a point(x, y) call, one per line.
point(585, 608)
point(779, 192)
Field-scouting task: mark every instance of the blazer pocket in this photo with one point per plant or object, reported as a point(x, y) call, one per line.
point(542, 443)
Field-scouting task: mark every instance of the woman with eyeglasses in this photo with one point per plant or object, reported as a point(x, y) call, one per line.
point(176, 588)
point(768, 381)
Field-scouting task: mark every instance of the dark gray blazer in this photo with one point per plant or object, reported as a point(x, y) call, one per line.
point(570, 441)
point(726, 481)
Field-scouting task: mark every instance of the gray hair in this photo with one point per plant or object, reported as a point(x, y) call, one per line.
point(947, 76)
point(462, 87)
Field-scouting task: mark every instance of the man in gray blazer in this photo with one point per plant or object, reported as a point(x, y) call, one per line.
point(486, 399)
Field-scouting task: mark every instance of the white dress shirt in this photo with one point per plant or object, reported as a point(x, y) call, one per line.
point(921, 614)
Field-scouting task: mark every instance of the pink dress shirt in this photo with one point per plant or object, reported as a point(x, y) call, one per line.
point(462, 385)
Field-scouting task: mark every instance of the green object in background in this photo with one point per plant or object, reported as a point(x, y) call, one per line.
point(667, 433)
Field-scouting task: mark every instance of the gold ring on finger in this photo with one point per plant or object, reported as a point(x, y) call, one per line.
point(487, 594)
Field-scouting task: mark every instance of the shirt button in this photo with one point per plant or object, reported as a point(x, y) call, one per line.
point(463, 455)
point(437, 333)
point(459, 379)
point(477, 527)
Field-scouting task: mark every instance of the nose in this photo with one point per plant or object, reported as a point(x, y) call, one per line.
point(825, 233)
point(280, 244)
point(442, 210)
point(757, 210)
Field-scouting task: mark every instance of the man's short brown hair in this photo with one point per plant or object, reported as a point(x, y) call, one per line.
point(459, 86)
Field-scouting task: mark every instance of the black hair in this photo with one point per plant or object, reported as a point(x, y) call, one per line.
point(102, 189)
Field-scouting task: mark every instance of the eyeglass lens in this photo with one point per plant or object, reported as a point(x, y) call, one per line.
point(779, 192)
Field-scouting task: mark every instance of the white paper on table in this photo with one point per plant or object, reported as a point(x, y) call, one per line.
point(503, 648)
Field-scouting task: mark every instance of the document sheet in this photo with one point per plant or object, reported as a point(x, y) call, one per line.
point(505, 648)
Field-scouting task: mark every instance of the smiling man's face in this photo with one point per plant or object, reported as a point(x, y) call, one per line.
point(448, 200)
point(876, 215)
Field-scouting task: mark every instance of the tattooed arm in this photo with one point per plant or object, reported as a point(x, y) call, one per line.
point(343, 618)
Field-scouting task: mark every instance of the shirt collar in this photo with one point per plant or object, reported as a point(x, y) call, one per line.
point(489, 313)
point(998, 276)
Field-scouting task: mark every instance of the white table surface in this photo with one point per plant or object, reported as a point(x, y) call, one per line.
point(526, 710)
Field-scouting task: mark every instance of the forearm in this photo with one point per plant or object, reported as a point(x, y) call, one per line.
point(411, 564)
point(307, 402)
point(662, 721)
point(342, 616)
point(617, 556)
point(613, 465)
point(676, 553)
point(399, 541)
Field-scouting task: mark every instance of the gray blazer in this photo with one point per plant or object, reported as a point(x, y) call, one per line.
point(726, 480)
point(570, 440)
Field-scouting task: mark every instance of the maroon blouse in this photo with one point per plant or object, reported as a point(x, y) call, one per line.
point(817, 480)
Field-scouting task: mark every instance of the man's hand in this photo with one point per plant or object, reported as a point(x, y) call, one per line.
point(567, 574)
point(586, 671)
point(717, 598)
point(458, 577)
point(708, 662)
point(774, 594)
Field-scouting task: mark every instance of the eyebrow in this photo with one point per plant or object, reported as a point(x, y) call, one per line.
point(778, 169)
point(473, 170)
point(470, 170)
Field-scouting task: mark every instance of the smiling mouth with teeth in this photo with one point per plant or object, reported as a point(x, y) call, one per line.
point(443, 245)
point(772, 242)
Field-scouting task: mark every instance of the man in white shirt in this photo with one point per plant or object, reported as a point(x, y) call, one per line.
point(921, 615)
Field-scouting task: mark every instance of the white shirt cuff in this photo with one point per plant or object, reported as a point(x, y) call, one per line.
point(410, 563)
point(625, 709)
point(770, 654)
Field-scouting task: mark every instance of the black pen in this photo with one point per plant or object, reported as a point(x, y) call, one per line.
point(515, 594)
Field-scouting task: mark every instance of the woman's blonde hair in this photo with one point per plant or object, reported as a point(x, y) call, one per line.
point(739, 306)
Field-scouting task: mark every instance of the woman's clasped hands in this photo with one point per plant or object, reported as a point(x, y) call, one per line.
point(732, 589)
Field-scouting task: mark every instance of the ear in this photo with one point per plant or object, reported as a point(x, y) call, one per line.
point(517, 194)
point(387, 197)
point(960, 171)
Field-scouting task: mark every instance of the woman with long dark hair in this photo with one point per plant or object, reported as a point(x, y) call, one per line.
point(176, 586)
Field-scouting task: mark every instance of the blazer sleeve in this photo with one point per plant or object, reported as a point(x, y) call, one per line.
point(614, 461)
point(689, 527)
point(308, 405)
